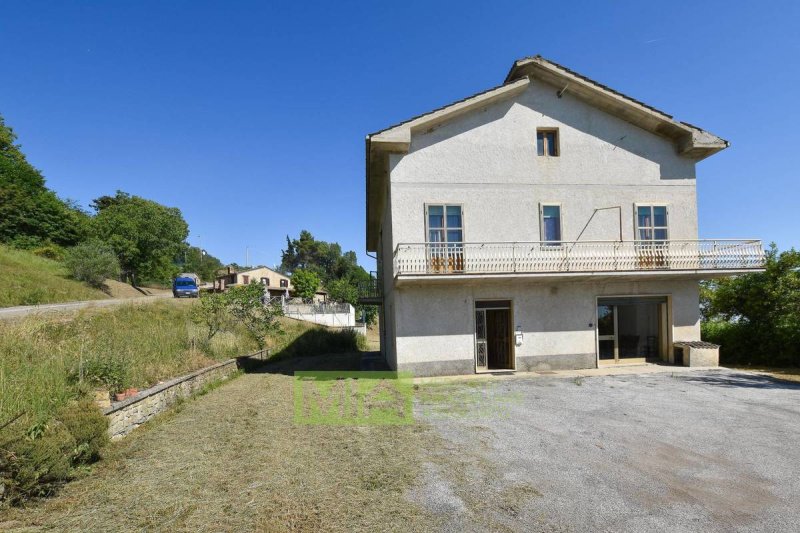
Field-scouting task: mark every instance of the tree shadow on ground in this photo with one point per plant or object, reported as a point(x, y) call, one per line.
point(741, 380)
point(318, 349)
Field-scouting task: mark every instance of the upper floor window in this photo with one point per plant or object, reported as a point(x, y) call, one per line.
point(551, 224)
point(445, 223)
point(547, 142)
point(245, 279)
point(284, 283)
point(651, 223)
point(265, 281)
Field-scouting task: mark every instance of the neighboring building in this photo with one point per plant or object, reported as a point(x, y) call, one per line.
point(548, 223)
point(277, 284)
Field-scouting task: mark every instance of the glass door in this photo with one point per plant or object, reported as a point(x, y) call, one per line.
point(607, 346)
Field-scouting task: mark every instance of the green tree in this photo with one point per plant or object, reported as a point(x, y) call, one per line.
point(246, 305)
point(145, 235)
point(30, 214)
point(305, 283)
point(756, 317)
point(92, 262)
point(332, 266)
point(192, 259)
point(212, 313)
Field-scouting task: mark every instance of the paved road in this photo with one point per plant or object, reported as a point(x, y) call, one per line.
point(24, 310)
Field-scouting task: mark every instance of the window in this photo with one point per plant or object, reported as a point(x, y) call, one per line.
point(551, 224)
point(651, 223)
point(265, 281)
point(445, 224)
point(245, 279)
point(284, 283)
point(547, 142)
point(445, 232)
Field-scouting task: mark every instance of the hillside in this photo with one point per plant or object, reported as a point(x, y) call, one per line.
point(26, 279)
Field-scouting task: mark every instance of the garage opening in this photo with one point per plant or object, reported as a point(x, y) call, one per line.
point(493, 346)
point(631, 329)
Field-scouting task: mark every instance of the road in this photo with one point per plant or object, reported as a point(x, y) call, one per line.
point(24, 310)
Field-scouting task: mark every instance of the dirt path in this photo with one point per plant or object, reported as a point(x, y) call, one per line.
point(234, 460)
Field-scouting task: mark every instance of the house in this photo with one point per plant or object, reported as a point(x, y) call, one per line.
point(547, 223)
point(277, 283)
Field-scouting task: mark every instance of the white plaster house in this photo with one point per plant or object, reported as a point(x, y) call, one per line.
point(547, 223)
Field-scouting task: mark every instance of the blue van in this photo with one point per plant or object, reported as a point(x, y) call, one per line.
point(185, 287)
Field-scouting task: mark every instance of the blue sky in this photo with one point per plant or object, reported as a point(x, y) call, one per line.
point(251, 116)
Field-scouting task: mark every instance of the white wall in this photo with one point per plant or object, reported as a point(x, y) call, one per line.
point(306, 313)
point(487, 161)
point(436, 322)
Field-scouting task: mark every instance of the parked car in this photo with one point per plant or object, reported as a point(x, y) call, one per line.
point(185, 287)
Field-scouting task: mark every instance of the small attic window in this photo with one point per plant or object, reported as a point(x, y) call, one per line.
point(547, 142)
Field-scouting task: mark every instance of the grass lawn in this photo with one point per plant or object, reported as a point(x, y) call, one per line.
point(31, 280)
point(234, 460)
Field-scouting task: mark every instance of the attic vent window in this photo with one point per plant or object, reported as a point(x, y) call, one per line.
point(547, 142)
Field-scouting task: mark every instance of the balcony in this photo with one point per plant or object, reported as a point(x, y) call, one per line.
point(369, 291)
point(700, 258)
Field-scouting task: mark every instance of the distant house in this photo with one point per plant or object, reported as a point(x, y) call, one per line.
point(277, 284)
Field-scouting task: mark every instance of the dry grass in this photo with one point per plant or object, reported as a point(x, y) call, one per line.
point(234, 460)
point(149, 342)
point(786, 374)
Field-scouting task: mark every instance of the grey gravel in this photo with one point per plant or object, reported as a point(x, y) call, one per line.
point(690, 451)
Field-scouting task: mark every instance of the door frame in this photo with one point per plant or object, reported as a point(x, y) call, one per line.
point(667, 325)
point(511, 333)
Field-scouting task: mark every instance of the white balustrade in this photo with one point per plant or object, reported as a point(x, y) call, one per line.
point(581, 256)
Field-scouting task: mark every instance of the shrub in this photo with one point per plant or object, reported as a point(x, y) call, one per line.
point(88, 427)
point(35, 463)
point(212, 313)
point(108, 372)
point(246, 304)
point(50, 251)
point(92, 262)
point(33, 296)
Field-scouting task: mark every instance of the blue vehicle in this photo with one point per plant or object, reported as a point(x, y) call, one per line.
point(185, 287)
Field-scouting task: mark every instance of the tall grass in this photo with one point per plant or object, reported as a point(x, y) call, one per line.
point(48, 360)
point(27, 279)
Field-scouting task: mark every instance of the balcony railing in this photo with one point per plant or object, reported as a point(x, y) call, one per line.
point(369, 291)
point(582, 256)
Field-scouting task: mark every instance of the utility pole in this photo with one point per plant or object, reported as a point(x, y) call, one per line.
point(247, 256)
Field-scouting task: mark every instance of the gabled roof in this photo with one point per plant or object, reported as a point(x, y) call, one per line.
point(690, 141)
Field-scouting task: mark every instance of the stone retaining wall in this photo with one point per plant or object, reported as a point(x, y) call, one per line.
point(127, 415)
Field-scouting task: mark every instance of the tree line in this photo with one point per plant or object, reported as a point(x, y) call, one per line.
point(122, 235)
point(315, 263)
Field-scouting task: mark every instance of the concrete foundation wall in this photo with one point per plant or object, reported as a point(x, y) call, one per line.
point(435, 323)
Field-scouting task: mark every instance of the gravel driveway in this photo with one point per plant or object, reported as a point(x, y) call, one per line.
point(689, 451)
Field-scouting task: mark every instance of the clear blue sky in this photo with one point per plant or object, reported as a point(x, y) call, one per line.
point(251, 116)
